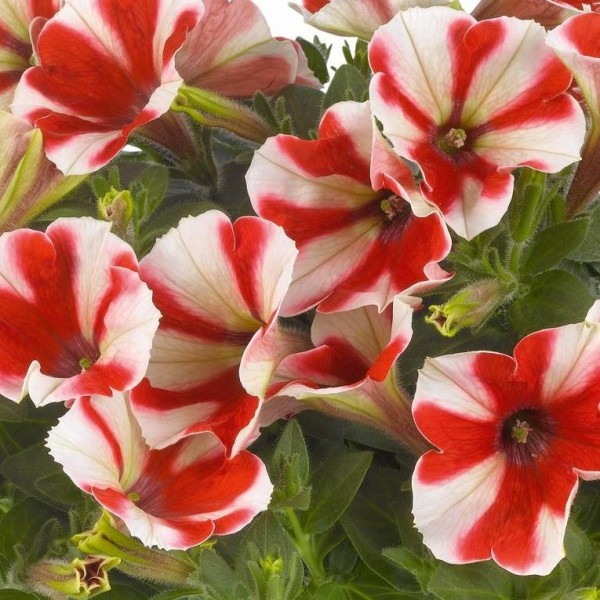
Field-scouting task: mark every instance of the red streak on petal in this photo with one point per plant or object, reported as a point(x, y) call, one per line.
point(508, 527)
point(327, 156)
point(470, 49)
point(251, 245)
point(14, 44)
point(46, 328)
point(463, 442)
point(314, 5)
point(97, 422)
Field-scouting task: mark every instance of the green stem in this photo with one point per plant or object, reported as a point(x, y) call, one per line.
point(305, 547)
point(515, 257)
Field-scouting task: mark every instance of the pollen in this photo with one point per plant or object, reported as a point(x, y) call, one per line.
point(520, 431)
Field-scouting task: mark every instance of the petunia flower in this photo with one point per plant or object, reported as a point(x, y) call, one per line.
point(577, 43)
point(358, 18)
point(219, 287)
point(513, 436)
point(29, 182)
point(350, 372)
point(359, 242)
point(105, 68)
point(232, 52)
point(173, 498)
point(469, 102)
point(19, 19)
point(76, 318)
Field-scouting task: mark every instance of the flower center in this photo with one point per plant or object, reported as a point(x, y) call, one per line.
point(452, 141)
point(525, 436)
point(393, 207)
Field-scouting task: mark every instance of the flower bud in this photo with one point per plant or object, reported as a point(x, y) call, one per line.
point(116, 207)
point(470, 307)
point(135, 559)
point(81, 578)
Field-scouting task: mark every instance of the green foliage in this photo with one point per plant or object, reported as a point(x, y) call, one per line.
point(316, 54)
point(334, 484)
point(553, 244)
point(553, 298)
point(348, 83)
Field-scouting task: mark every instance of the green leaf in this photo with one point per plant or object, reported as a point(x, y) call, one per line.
point(379, 517)
point(184, 594)
point(334, 485)
point(367, 586)
point(17, 595)
point(553, 244)
point(35, 472)
point(14, 412)
point(124, 591)
point(304, 106)
point(19, 530)
point(217, 575)
point(316, 61)
point(290, 468)
point(15, 437)
point(554, 298)
point(348, 83)
point(149, 190)
point(589, 250)
point(480, 581)
point(332, 591)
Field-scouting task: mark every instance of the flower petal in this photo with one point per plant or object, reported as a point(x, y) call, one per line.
point(73, 308)
point(125, 50)
point(172, 498)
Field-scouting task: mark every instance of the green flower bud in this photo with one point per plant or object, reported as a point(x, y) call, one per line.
point(105, 539)
point(81, 578)
point(470, 307)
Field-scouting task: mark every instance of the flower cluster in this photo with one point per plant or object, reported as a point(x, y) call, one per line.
point(458, 168)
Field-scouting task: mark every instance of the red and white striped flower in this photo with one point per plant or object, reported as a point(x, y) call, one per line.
point(173, 498)
point(513, 436)
point(358, 18)
point(469, 102)
point(105, 68)
point(577, 43)
point(19, 19)
point(350, 371)
point(219, 287)
point(232, 52)
point(358, 239)
point(76, 318)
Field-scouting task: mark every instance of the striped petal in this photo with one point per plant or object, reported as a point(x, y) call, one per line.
point(512, 434)
point(357, 245)
point(469, 102)
point(219, 287)
point(349, 373)
point(231, 52)
point(105, 69)
point(358, 18)
point(16, 51)
point(173, 498)
point(77, 320)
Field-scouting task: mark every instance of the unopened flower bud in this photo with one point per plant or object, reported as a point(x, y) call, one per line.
point(117, 207)
point(470, 307)
point(81, 578)
point(105, 539)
